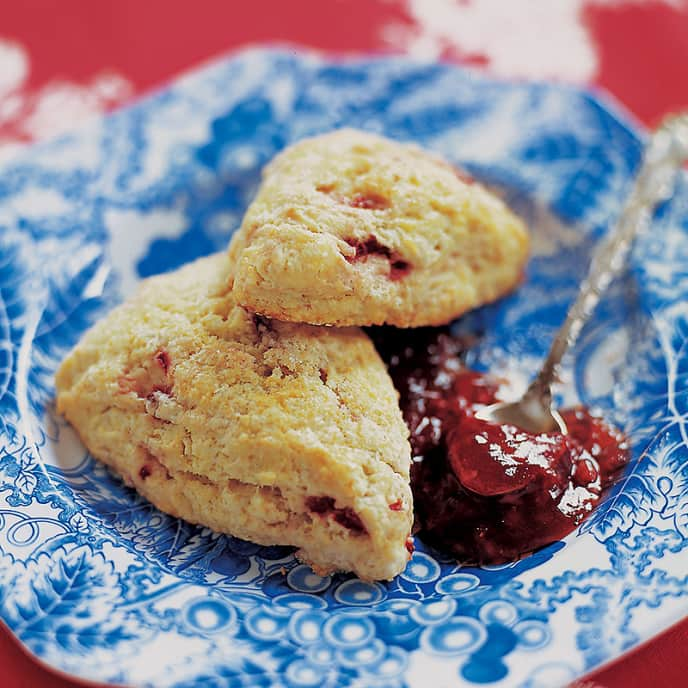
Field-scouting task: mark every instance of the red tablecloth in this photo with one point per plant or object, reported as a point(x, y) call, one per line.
point(61, 61)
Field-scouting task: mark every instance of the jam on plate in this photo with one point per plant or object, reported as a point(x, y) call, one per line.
point(487, 493)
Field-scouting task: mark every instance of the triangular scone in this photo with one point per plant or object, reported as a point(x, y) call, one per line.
point(273, 432)
point(349, 228)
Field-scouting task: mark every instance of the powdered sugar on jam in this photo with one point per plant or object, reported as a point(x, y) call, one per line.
point(487, 493)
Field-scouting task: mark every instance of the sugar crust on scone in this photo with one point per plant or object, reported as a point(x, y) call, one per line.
point(274, 432)
point(350, 228)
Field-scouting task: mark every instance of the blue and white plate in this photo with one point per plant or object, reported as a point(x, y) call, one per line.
point(96, 582)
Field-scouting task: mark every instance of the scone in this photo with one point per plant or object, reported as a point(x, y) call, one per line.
point(349, 228)
point(273, 432)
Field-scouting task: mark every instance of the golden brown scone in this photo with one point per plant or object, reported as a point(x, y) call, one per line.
point(273, 432)
point(349, 228)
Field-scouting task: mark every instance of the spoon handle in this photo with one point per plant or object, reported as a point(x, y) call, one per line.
point(665, 153)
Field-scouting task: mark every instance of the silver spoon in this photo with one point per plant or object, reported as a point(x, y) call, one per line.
point(665, 153)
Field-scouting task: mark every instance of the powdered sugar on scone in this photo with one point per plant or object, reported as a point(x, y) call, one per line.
point(274, 432)
point(350, 228)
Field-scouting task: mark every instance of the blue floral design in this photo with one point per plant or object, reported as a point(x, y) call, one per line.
point(97, 582)
point(69, 597)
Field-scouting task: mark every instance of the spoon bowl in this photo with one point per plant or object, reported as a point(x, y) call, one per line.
point(531, 413)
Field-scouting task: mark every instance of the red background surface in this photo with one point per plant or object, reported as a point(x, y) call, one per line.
point(641, 50)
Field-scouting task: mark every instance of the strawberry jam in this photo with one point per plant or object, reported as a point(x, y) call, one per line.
point(488, 493)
